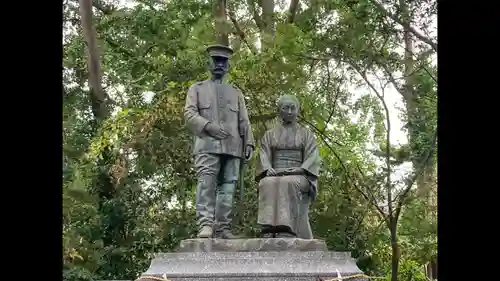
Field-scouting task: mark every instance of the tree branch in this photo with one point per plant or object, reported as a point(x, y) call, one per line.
point(314, 57)
point(321, 132)
point(415, 175)
point(380, 96)
point(382, 65)
point(255, 15)
point(239, 31)
point(149, 4)
point(337, 92)
point(368, 197)
point(104, 8)
point(417, 34)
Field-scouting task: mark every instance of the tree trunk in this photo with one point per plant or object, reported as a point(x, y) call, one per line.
point(268, 31)
point(416, 125)
point(428, 271)
point(264, 21)
point(221, 28)
point(409, 68)
point(98, 96)
point(103, 183)
point(425, 180)
point(395, 249)
point(431, 269)
point(292, 10)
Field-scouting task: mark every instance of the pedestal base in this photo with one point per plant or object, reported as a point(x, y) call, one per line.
point(270, 259)
point(252, 245)
point(266, 266)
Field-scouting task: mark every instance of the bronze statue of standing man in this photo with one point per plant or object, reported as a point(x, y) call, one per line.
point(216, 114)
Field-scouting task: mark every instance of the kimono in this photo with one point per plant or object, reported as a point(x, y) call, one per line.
point(284, 199)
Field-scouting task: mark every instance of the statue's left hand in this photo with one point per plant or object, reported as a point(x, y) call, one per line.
point(248, 152)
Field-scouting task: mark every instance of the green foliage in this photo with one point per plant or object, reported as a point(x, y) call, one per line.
point(128, 182)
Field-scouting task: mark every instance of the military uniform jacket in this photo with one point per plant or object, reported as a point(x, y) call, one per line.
point(221, 104)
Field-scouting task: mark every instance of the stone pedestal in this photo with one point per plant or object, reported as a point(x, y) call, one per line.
point(275, 259)
point(252, 245)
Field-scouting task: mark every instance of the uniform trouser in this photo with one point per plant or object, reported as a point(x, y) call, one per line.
point(217, 177)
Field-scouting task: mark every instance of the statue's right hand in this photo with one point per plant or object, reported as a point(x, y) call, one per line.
point(216, 131)
point(271, 172)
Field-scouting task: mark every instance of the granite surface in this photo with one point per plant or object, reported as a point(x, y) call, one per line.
point(276, 266)
point(251, 245)
point(271, 259)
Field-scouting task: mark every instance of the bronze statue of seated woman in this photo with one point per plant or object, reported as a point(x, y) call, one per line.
point(287, 173)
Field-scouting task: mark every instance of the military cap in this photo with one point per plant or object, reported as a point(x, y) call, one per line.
point(219, 51)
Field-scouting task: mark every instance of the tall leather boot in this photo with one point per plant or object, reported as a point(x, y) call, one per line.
point(224, 211)
point(205, 205)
